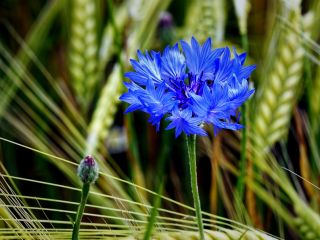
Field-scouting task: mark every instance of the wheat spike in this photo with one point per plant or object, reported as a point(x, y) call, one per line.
point(307, 221)
point(120, 234)
point(105, 110)
point(278, 93)
point(212, 21)
point(276, 102)
point(315, 102)
point(83, 49)
point(242, 8)
point(225, 234)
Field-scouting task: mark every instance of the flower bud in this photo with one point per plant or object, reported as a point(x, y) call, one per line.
point(166, 28)
point(166, 20)
point(88, 170)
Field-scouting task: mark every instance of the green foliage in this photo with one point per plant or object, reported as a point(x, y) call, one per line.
point(60, 101)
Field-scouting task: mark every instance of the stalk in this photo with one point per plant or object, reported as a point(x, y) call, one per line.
point(160, 182)
point(154, 212)
point(84, 197)
point(191, 145)
point(243, 155)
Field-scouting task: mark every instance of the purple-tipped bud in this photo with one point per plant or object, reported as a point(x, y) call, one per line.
point(166, 20)
point(166, 28)
point(88, 170)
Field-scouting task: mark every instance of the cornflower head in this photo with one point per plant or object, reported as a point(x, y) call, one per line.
point(190, 87)
point(88, 170)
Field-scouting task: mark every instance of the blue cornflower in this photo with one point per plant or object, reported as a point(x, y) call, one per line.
point(190, 87)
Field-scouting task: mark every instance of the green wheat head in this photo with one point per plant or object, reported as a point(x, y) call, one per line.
point(210, 24)
point(278, 93)
point(83, 49)
point(307, 221)
point(105, 111)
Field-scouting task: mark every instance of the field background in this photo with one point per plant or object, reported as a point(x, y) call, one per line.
point(61, 69)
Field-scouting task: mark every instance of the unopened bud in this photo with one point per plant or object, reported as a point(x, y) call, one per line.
point(88, 170)
point(166, 20)
point(166, 28)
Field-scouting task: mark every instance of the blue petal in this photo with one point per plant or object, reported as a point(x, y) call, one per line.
point(183, 121)
point(146, 68)
point(200, 59)
point(246, 71)
point(173, 63)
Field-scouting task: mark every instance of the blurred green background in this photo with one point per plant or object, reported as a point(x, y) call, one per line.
point(61, 70)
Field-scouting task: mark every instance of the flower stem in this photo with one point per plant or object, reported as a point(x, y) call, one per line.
point(191, 144)
point(159, 183)
point(84, 197)
point(154, 213)
point(243, 155)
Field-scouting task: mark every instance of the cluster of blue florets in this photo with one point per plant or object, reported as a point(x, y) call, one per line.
point(189, 88)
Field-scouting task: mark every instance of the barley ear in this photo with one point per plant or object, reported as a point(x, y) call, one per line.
point(83, 50)
point(208, 24)
point(278, 94)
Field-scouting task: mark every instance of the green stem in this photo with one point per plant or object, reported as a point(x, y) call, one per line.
point(154, 212)
point(84, 197)
point(242, 165)
point(245, 42)
point(159, 182)
point(191, 144)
